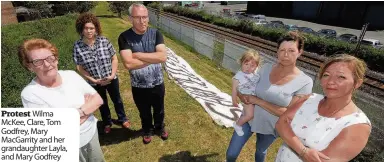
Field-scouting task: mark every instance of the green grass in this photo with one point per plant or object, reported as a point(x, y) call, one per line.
point(193, 134)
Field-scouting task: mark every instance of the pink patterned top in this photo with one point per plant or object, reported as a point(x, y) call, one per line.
point(316, 131)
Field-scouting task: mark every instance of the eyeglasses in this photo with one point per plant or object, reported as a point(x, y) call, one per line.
point(39, 62)
point(140, 17)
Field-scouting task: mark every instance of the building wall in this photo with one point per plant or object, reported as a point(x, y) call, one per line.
point(375, 13)
point(343, 14)
point(305, 10)
point(8, 13)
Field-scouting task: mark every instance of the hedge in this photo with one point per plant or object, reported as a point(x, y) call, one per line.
point(322, 46)
point(59, 30)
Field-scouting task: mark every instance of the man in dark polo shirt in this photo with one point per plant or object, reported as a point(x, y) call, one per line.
point(143, 50)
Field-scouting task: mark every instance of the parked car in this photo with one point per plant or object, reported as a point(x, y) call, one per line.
point(327, 33)
point(307, 30)
point(372, 42)
point(277, 22)
point(256, 17)
point(240, 15)
point(350, 38)
point(261, 22)
point(274, 25)
point(291, 27)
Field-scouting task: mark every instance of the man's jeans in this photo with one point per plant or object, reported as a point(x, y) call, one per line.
point(145, 99)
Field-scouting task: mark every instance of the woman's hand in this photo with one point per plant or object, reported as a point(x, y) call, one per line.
point(235, 103)
point(243, 98)
point(84, 117)
point(248, 99)
point(107, 80)
point(313, 155)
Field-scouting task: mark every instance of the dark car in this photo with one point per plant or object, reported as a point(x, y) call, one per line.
point(277, 22)
point(291, 27)
point(327, 33)
point(307, 30)
point(350, 38)
point(275, 25)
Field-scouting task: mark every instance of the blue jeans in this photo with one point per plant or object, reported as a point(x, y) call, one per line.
point(114, 93)
point(237, 143)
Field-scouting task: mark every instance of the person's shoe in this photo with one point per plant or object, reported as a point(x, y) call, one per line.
point(147, 139)
point(107, 129)
point(126, 124)
point(164, 135)
point(238, 129)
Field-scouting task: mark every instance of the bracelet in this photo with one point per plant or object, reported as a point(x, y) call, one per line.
point(303, 151)
point(82, 112)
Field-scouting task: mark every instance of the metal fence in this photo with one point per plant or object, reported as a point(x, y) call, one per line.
point(226, 54)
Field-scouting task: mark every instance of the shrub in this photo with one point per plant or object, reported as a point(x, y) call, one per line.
point(119, 7)
point(59, 30)
point(38, 9)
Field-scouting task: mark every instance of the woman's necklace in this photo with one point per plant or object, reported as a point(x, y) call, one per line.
point(337, 110)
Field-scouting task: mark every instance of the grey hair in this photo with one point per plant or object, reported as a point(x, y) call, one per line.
point(134, 5)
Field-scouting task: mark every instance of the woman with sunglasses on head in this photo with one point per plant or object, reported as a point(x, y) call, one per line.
point(53, 88)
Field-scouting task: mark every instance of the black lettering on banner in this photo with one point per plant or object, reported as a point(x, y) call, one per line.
point(235, 116)
point(182, 69)
point(197, 87)
point(216, 100)
point(182, 82)
point(200, 92)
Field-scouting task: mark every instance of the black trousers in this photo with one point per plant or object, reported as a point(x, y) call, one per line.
point(145, 99)
point(114, 94)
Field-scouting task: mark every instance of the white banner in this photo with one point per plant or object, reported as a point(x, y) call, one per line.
point(216, 103)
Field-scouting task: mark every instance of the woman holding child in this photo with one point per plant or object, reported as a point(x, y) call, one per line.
point(279, 85)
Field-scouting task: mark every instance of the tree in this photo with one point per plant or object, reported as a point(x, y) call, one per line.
point(119, 7)
point(65, 7)
point(85, 6)
point(37, 9)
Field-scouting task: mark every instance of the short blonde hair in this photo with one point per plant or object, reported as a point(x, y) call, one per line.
point(359, 67)
point(33, 44)
point(250, 55)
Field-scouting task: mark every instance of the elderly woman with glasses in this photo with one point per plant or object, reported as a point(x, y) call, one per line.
point(53, 88)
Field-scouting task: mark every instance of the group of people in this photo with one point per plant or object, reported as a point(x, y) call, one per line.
point(142, 50)
point(278, 99)
point(278, 102)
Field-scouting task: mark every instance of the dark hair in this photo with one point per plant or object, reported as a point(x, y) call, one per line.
point(33, 44)
point(292, 36)
point(87, 18)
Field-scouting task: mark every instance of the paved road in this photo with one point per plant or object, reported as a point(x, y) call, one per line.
point(216, 8)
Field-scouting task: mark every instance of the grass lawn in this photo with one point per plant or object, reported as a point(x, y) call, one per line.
point(193, 134)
